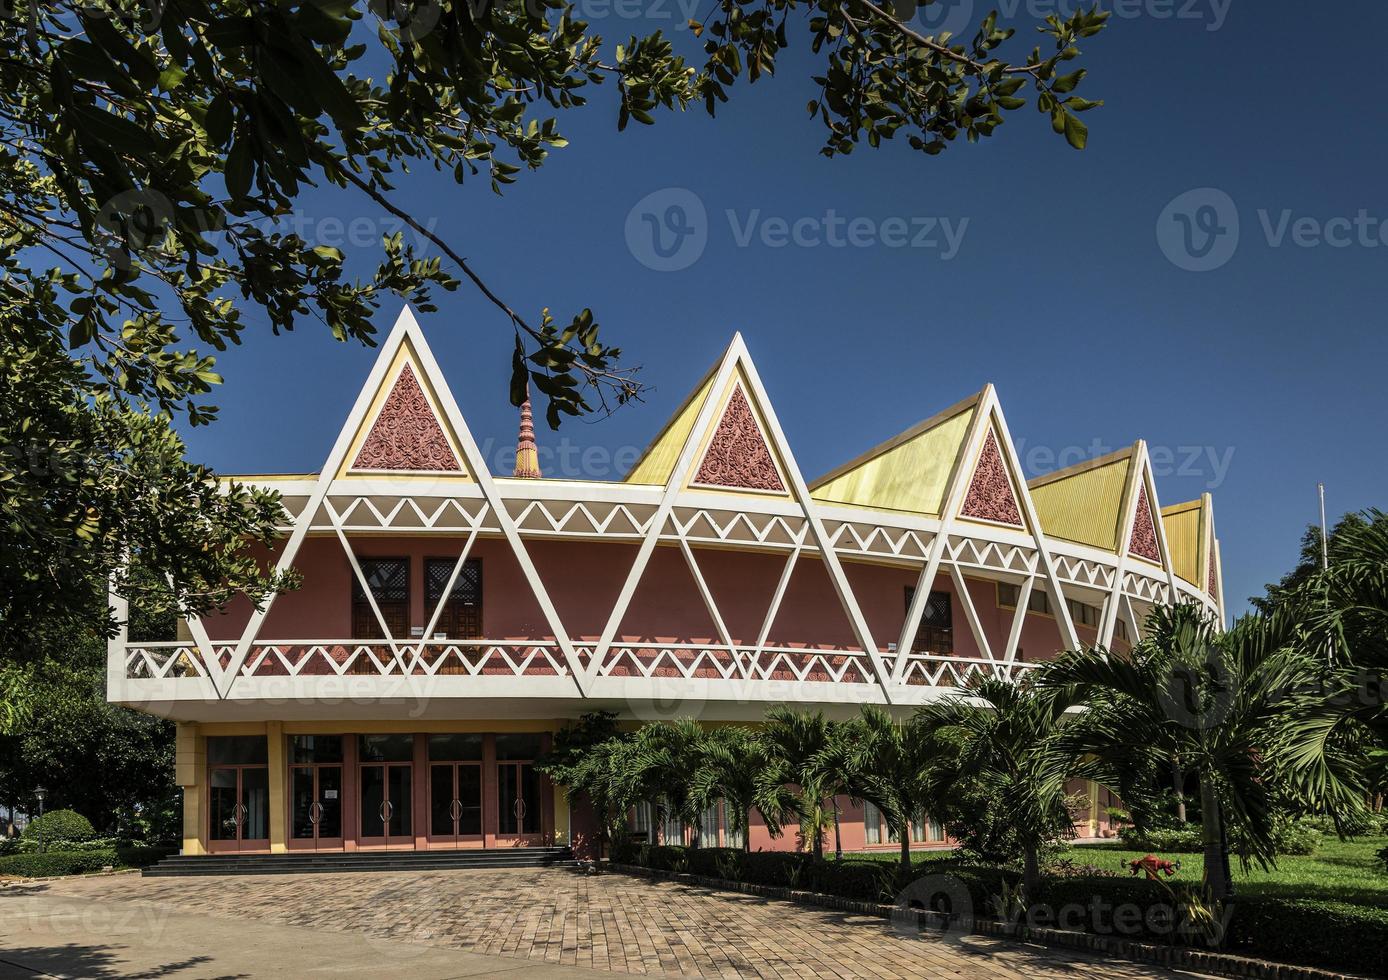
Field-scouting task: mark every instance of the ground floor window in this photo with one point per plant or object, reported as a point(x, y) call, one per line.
point(924, 829)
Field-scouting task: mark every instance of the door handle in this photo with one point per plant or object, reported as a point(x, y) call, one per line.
point(388, 810)
point(238, 813)
point(315, 812)
point(455, 809)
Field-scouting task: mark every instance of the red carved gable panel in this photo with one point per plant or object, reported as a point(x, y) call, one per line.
point(737, 455)
point(406, 435)
point(990, 496)
point(1144, 538)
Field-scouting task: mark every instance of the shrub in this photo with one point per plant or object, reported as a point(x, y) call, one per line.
point(1289, 836)
point(1177, 840)
point(50, 863)
point(58, 825)
point(1334, 935)
point(1383, 858)
point(8, 845)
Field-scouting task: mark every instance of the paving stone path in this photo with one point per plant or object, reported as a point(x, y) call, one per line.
point(609, 923)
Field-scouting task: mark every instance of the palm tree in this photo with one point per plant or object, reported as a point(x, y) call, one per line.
point(796, 743)
point(889, 764)
point(1231, 706)
point(584, 760)
point(736, 766)
point(658, 767)
point(1007, 746)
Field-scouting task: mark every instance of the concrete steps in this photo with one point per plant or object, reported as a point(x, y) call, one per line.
point(314, 862)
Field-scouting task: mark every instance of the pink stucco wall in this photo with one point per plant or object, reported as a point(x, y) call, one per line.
point(584, 579)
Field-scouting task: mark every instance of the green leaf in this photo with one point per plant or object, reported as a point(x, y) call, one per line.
point(1076, 132)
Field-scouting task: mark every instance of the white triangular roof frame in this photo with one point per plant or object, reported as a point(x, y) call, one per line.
point(406, 329)
point(737, 359)
point(988, 416)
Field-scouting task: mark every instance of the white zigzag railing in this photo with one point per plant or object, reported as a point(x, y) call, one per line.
point(484, 658)
point(742, 663)
point(937, 670)
point(160, 661)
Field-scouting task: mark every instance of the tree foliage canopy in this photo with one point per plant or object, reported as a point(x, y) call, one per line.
point(151, 150)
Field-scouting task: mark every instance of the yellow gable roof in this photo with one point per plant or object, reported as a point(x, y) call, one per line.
point(909, 472)
point(1184, 526)
point(1084, 503)
point(658, 461)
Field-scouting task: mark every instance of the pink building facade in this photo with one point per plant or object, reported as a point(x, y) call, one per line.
point(450, 621)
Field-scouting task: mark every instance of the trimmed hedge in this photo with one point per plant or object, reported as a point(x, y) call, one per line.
point(1336, 935)
point(864, 880)
point(47, 864)
point(1175, 840)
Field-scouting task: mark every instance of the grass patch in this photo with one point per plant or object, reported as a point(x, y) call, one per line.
point(1339, 871)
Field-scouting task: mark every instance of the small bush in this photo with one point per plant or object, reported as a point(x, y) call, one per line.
point(8, 845)
point(1176, 840)
point(58, 825)
point(1289, 836)
point(50, 863)
point(1383, 858)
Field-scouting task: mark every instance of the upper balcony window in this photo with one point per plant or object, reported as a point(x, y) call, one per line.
point(936, 631)
point(389, 580)
point(461, 616)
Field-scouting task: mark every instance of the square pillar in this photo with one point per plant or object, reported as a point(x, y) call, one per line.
point(190, 773)
point(561, 815)
point(277, 758)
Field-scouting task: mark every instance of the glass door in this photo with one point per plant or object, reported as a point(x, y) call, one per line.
point(519, 813)
point(238, 809)
point(386, 791)
point(455, 804)
point(315, 792)
point(238, 794)
point(455, 790)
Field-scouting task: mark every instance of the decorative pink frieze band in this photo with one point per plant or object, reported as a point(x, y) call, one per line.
point(406, 435)
point(737, 455)
point(1143, 542)
point(990, 496)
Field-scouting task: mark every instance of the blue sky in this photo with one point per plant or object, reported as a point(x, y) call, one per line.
point(1058, 276)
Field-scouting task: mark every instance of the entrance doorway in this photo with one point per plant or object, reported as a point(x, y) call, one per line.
point(455, 791)
point(238, 805)
point(316, 791)
point(519, 813)
point(386, 780)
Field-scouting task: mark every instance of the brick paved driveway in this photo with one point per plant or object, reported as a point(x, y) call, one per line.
point(609, 923)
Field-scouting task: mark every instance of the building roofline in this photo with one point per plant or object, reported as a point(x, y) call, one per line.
point(1083, 467)
point(899, 439)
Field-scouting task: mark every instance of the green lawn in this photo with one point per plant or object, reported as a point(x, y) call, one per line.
point(1345, 871)
point(1341, 871)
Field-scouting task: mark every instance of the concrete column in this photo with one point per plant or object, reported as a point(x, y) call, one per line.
point(561, 816)
point(190, 772)
point(277, 757)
